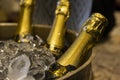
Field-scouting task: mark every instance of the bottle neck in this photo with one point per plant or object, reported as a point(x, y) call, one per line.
point(55, 39)
point(24, 25)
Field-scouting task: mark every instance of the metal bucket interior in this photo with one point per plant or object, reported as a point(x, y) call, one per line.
point(84, 72)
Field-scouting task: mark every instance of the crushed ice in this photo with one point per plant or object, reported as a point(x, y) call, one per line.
point(24, 61)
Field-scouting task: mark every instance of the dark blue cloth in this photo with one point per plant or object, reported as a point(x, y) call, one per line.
point(79, 12)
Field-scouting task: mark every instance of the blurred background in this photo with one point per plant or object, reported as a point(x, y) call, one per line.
point(106, 65)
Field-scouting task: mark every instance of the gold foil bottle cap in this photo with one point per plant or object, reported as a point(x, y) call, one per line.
point(27, 2)
point(95, 25)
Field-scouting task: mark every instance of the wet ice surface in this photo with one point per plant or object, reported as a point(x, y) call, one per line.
point(19, 65)
point(24, 60)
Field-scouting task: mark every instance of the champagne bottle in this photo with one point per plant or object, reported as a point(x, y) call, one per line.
point(24, 28)
point(55, 40)
point(90, 33)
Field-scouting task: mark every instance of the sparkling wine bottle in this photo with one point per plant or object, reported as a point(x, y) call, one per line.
point(90, 33)
point(55, 40)
point(24, 28)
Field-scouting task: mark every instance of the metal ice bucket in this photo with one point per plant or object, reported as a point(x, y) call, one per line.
point(84, 72)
